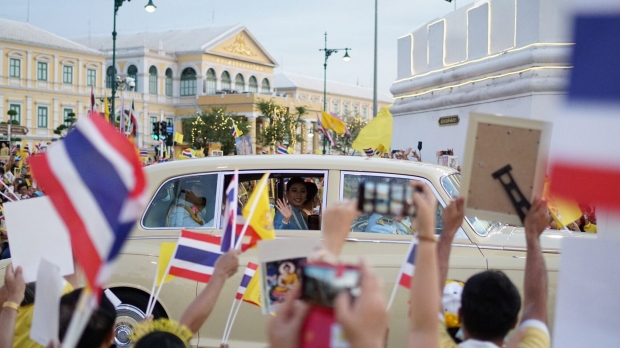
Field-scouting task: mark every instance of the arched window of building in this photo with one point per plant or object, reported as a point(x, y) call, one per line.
point(188, 82)
point(153, 80)
point(239, 83)
point(132, 72)
point(169, 82)
point(225, 80)
point(265, 87)
point(253, 85)
point(211, 82)
point(109, 76)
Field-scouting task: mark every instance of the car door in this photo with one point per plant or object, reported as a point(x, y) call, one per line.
point(383, 243)
point(249, 326)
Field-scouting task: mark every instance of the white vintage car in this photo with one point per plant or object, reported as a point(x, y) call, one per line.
point(382, 242)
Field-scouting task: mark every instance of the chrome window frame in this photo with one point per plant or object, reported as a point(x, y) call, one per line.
point(218, 204)
point(325, 173)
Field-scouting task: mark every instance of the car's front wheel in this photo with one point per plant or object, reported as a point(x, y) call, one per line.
point(131, 312)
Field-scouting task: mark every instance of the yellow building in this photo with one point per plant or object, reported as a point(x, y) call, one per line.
point(44, 77)
point(176, 72)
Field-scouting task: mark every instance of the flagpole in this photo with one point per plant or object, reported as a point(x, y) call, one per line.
point(233, 321)
point(249, 218)
point(393, 296)
point(230, 314)
point(149, 311)
point(153, 288)
point(234, 225)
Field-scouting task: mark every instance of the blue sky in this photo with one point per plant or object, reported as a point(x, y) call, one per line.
point(291, 31)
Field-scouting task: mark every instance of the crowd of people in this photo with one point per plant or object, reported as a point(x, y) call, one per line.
point(489, 305)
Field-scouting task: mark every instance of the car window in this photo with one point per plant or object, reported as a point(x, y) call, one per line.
point(452, 185)
point(187, 201)
point(306, 216)
point(377, 223)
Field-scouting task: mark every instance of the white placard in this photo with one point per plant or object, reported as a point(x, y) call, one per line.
point(47, 298)
point(36, 231)
point(587, 306)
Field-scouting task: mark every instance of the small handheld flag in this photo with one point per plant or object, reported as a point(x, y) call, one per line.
point(144, 153)
point(282, 150)
point(369, 152)
point(230, 230)
point(250, 270)
point(187, 153)
point(235, 131)
point(195, 256)
point(405, 274)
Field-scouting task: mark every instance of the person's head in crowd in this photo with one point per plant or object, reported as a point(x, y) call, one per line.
point(161, 333)
point(490, 306)
point(22, 189)
point(296, 192)
point(2, 169)
point(99, 331)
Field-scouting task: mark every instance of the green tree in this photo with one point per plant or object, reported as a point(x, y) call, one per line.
point(214, 125)
point(282, 125)
point(344, 141)
point(67, 126)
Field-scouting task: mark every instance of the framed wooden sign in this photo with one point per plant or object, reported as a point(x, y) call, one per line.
point(498, 150)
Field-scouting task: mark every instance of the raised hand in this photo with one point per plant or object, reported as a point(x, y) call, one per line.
point(536, 220)
point(426, 205)
point(337, 221)
point(228, 263)
point(365, 320)
point(452, 217)
point(284, 328)
point(14, 283)
point(285, 210)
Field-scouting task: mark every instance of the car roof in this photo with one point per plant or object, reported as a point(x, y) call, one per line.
point(296, 162)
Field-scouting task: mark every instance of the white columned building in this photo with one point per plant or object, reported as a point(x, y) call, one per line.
point(508, 57)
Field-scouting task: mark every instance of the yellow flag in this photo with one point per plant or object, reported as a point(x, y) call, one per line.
point(563, 211)
point(331, 122)
point(261, 220)
point(381, 150)
point(165, 255)
point(252, 292)
point(178, 137)
point(290, 151)
point(377, 132)
point(106, 108)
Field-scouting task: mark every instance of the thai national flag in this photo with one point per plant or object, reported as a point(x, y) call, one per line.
point(230, 215)
point(282, 150)
point(95, 180)
point(195, 256)
point(588, 171)
point(325, 132)
point(250, 270)
point(144, 153)
point(234, 132)
point(187, 153)
point(369, 152)
point(13, 149)
point(408, 267)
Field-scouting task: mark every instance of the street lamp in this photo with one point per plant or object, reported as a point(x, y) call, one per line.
point(328, 52)
point(150, 7)
point(117, 4)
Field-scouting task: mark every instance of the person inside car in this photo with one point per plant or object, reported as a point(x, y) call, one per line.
point(289, 215)
point(190, 208)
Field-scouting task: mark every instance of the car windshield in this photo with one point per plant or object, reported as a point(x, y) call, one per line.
point(452, 185)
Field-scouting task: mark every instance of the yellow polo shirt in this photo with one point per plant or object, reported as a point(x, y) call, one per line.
point(24, 322)
point(535, 334)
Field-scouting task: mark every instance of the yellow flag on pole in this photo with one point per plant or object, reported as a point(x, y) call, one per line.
point(331, 122)
point(378, 132)
point(252, 292)
point(178, 137)
point(261, 219)
point(563, 211)
point(165, 255)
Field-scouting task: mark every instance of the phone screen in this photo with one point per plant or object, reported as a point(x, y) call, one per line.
point(321, 283)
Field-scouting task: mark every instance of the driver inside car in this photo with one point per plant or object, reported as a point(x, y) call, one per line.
point(189, 209)
point(378, 223)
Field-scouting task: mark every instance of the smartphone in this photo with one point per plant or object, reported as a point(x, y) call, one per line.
point(322, 282)
point(386, 199)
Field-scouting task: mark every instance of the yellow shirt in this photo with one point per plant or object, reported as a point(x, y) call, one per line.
point(590, 227)
point(24, 322)
point(534, 335)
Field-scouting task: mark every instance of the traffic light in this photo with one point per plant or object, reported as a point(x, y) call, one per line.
point(155, 130)
point(162, 129)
